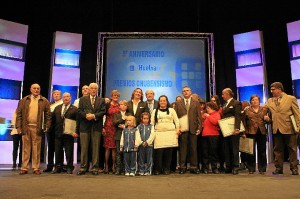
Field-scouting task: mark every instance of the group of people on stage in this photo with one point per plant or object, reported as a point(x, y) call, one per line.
point(129, 132)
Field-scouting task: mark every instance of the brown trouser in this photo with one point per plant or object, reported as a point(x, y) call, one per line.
point(289, 140)
point(31, 143)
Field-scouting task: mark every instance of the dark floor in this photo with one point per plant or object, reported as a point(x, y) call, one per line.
point(244, 185)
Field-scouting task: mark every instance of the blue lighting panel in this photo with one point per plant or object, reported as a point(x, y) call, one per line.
point(296, 84)
point(10, 89)
point(12, 50)
point(5, 130)
point(67, 58)
point(246, 92)
point(248, 58)
point(70, 89)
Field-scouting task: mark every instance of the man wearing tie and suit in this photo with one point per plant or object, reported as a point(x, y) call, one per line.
point(188, 112)
point(282, 106)
point(136, 106)
point(232, 108)
point(64, 140)
point(90, 117)
point(152, 103)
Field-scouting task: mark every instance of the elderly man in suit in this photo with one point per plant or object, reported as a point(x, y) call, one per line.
point(232, 108)
point(152, 103)
point(64, 139)
point(188, 112)
point(90, 117)
point(136, 106)
point(282, 106)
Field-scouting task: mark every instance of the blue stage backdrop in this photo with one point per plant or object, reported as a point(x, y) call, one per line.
point(164, 65)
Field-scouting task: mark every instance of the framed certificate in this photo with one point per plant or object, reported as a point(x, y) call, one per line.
point(70, 126)
point(246, 145)
point(227, 126)
point(165, 139)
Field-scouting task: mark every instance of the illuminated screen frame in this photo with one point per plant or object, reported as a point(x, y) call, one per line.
point(292, 45)
point(103, 37)
point(4, 43)
point(248, 53)
point(64, 52)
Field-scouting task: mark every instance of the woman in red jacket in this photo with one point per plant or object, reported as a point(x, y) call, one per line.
point(210, 137)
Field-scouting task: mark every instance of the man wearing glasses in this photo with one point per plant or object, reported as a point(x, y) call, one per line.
point(282, 107)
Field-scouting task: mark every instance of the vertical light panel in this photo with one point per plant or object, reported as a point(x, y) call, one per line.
point(66, 66)
point(293, 30)
point(250, 70)
point(13, 41)
point(66, 63)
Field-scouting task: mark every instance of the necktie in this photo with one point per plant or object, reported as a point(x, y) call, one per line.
point(187, 105)
point(150, 105)
point(93, 101)
point(225, 104)
point(277, 101)
point(64, 111)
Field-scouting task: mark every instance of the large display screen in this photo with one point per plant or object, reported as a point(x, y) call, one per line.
point(163, 65)
point(69, 58)
point(12, 50)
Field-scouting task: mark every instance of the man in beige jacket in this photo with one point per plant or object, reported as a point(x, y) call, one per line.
point(282, 106)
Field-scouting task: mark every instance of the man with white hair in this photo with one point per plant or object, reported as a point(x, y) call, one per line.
point(91, 111)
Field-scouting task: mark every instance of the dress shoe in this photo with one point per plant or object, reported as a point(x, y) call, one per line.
point(37, 172)
point(221, 170)
point(295, 172)
point(182, 171)
point(277, 171)
point(194, 171)
point(118, 172)
point(227, 171)
point(81, 172)
point(205, 171)
point(56, 171)
point(166, 172)
point(235, 172)
point(156, 173)
point(69, 171)
point(48, 169)
point(23, 172)
point(216, 171)
point(95, 172)
point(251, 172)
point(261, 172)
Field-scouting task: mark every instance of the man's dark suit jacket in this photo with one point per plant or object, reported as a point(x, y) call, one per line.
point(118, 120)
point(142, 107)
point(85, 106)
point(58, 120)
point(234, 108)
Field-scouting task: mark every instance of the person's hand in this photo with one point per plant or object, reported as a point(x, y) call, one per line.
point(198, 132)
point(19, 131)
point(75, 135)
point(145, 144)
point(89, 116)
point(267, 118)
point(246, 108)
point(244, 136)
point(206, 115)
point(103, 132)
point(236, 132)
point(135, 149)
point(121, 149)
point(46, 130)
point(122, 126)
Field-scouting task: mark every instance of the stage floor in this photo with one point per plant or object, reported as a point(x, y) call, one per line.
point(12, 185)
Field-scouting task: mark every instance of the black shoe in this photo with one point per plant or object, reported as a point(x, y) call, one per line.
point(194, 171)
point(56, 171)
point(216, 171)
point(156, 173)
point(251, 172)
point(227, 171)
point(48, 169)
point(166, 172)
point(295, 172)
point(221, 170)
point(95, 172)
point(118, 172)
point(81, 173)
point(205, 171)
point(242, 167)
point(261, 172)
point(69, 171)
point(182, 171)
point(235, 171)
point(277, 171)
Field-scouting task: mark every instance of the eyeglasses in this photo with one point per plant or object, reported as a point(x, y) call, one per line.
point(272, 89)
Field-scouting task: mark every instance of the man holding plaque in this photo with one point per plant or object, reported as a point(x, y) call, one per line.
point(62, 118)
point(188, 112)
point(90, 117)
point(232, 108)
point(282, 107)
